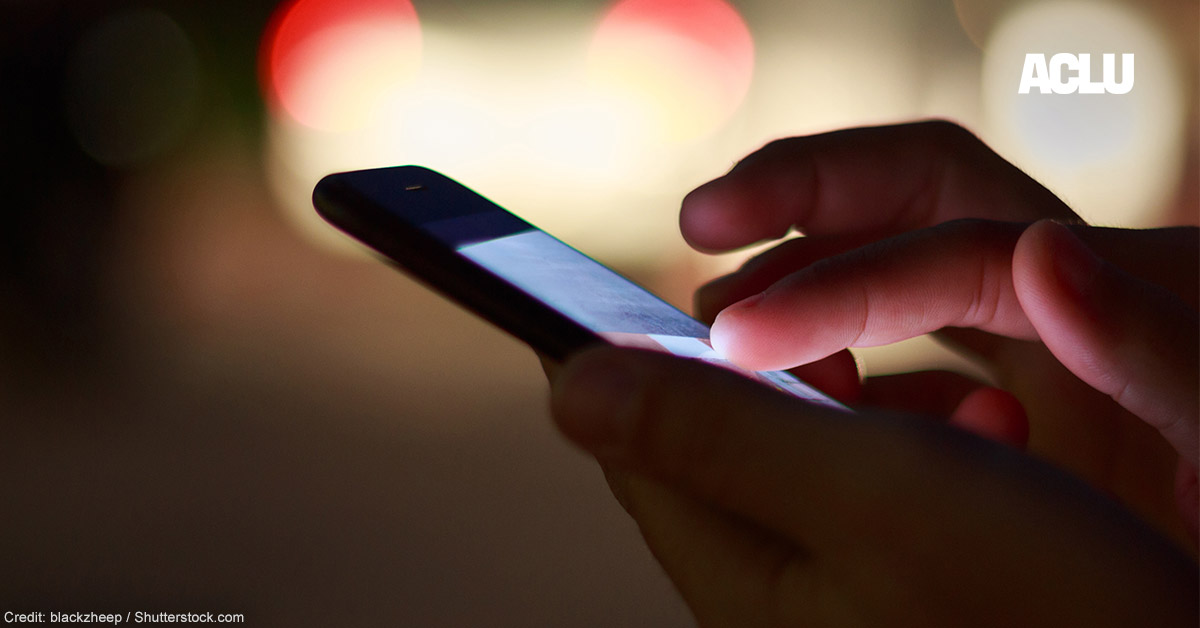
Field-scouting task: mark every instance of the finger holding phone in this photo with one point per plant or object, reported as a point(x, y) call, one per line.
point(767, 512)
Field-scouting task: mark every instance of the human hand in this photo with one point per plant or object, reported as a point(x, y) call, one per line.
point(888, 257)
point(767, 511)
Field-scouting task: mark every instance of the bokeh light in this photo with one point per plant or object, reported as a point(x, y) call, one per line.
point(132, 87)
point(333, 64)
point(596, 108)
point(685, 65)
point(1114, 158)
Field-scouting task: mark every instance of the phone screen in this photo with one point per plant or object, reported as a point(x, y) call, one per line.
point(512, 273)
point(590, 293)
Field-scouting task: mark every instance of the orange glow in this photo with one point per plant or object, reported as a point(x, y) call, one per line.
point(333, 64)
point(685, 64)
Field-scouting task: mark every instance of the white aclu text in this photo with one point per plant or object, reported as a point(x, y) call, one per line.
point(1066, 73)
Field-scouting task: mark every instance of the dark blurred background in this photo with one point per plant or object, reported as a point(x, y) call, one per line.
point(212, 402)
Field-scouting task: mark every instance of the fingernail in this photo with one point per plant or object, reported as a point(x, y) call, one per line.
point(724, 329)
point(594, 403)
point(1075, 265)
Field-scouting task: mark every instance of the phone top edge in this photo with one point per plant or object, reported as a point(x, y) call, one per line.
point(383, 186)
point(366, 216)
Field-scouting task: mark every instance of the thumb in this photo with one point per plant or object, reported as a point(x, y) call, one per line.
point(721, 437)
point(819, 476)
point(876, 515)
point(1127, 338)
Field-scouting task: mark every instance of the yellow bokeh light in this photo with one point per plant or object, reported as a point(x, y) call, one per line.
point(333, 64)
point(683, 66)
point(350, 72)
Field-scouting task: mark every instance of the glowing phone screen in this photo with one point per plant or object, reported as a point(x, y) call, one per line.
point(590, 293)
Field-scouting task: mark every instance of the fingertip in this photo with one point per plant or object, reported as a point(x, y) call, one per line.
point(1052, 268)
point(1128, 338)
point(722, 334)
point(732, 335)
point(759, 333)
point(994, 414)
point(706, 219)
point(1048, 244)
point(1032, 251)
point(1052, 273)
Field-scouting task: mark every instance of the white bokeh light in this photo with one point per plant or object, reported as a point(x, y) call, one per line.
point(1113, 158)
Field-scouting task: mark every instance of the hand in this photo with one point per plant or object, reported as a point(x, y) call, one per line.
point(889, 256)
point(767, 511)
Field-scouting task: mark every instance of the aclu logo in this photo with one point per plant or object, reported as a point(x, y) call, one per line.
point(1066, 73)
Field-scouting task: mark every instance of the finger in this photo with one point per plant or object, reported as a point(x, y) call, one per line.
point(1164, 257)
point(983, 410)
point(1132, 340)
point(755, 452)
point(890, 178)
point(954, 274)
point(860, 489)
point(994, 414)
point(925, 393)
point(602, 401)
point(1153, 255)
point(838, 376)
point(758, 273)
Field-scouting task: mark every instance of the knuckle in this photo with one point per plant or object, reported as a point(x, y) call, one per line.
point(949, 132)
point(783, 144)
point(989, 245)
point(778, 149)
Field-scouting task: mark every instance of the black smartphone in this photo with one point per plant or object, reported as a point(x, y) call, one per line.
point(513, 274)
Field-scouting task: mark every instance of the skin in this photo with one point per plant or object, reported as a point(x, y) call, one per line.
point(767, 511)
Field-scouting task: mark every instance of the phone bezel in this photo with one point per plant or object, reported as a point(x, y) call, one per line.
point(367, 205)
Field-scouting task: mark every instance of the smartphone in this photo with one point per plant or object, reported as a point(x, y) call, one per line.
point(511, 273)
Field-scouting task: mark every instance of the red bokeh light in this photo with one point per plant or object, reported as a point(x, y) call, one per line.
point(690, 57)
point(307, 37)
point(712, 23)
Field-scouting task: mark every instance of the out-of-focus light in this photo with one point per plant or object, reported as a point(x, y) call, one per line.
point(543, 111)
point(518, 122)
point(827, 65)
point(1114, 158)
point(132, 87)
point(685, 64)
point(334, 64)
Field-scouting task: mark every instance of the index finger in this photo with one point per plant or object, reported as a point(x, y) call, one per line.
point(888, 179)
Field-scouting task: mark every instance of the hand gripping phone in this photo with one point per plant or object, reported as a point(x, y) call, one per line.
point(511, 273)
